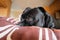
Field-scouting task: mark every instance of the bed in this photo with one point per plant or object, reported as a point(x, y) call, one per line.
point(10, 31)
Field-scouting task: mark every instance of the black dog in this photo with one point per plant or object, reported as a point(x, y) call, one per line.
point(36, 17)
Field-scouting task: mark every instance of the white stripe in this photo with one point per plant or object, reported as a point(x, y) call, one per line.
point(46, 34)
point(9, 35)
point(5, 27)
point(9, 19)
point(6, 32)
point(53, 36)
point(13, 20)
point(40, 34)
point(16, 22)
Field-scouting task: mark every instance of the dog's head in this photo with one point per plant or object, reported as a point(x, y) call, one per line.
point(28, 18)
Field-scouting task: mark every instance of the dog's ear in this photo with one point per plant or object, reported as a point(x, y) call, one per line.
point(27, 9)
point(24, 14)
point(42, 9)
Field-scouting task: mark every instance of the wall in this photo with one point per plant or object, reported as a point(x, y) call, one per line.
point(19, 5)
point(53, 7)
point(3, 12)
point(5, 9)
point(22, 4)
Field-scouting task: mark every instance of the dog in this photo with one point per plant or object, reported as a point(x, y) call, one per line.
point(36, 17)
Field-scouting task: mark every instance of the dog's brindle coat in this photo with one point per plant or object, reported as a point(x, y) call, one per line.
point(36, 17)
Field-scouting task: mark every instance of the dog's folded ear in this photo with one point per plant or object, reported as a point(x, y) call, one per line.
point(27, 9)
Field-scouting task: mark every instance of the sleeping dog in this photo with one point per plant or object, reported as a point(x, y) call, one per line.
point(36, 17)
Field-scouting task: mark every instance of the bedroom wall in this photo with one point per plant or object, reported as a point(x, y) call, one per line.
point(19, 5)
point(3, 12)
point(5, 6)
point(22, 4)
point(53, 7)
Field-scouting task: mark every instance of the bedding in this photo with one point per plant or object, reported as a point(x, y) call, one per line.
point(11, 31)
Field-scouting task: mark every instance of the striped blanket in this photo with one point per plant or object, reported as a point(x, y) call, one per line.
point(10, 31)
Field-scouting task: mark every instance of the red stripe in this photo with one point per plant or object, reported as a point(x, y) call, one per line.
point(43, 35)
